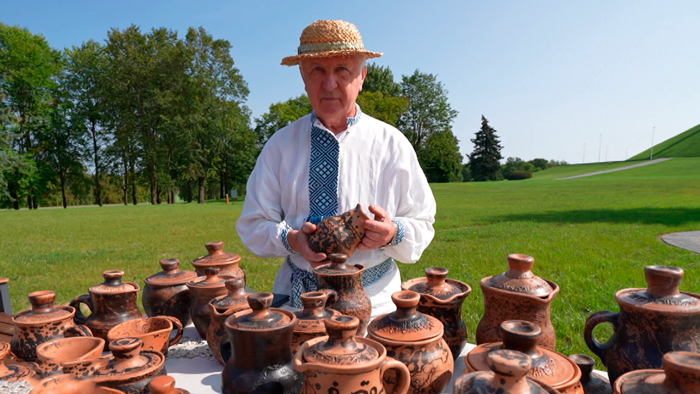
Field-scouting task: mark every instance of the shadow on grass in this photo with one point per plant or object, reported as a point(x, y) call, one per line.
point(666, 216)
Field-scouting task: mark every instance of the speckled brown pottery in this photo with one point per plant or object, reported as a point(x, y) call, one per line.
point(204, 289)
point(110, 303)
point(227, 263)
point(442, 298)
point(592, 382)
point(508, 375)
point(340, 234)
point(414, 339)
point(13, 371)
point(52, 355)
point(165, 385)
point(220, 308)
point(346, 281)
point(166, 293)
point(344, 363)
point(517, 295)
point(155, 332)
point(132, 367)
point(680, 375)
point(310, 317)
point(68, 384)
point(261, 340)
point(44, 322)
point(548, 366)
point(651, 322)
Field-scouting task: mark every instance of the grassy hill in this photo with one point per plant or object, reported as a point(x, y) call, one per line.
point(685, 144)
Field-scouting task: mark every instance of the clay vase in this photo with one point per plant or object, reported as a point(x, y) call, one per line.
point(153, 331)
point(345, 363)
point(310, 318)
point(110, 303)
point(339, 234)
point(416, 340)
point(68, 384)
point(507, 375)
point(517, 295)
point(442, 298)
point(680, 375)
point(261, 340)
point(44, 322)
point(164, 385)
point(346, 281)
point(204, 289)
point(132, 367)
point(227, 263)
point(592, 382)
point(651, 322)
point(166, 293)
point(52, 355)
point(220, 308)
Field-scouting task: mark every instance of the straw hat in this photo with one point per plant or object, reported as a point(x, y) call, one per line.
point(326, 38)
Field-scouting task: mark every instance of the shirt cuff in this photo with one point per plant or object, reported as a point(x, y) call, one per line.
point(398, 234)
point(283, 236)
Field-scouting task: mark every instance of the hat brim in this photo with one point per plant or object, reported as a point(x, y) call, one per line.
point(294, 60)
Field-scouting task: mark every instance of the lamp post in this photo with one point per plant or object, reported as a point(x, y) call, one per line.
point(651, 156)
point(600, 144)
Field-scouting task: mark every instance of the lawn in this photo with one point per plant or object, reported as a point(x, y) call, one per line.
point(593, 236)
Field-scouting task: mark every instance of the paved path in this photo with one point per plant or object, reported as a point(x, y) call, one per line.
point(689, 240)
point(646, 163)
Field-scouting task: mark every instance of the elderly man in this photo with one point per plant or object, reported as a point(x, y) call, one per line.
point(329, 161)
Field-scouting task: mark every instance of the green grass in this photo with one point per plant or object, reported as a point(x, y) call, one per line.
point(685, 144)
point(593, 236)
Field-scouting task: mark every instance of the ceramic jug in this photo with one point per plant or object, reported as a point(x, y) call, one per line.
point(593, 383)
point(227, 263)
point(339, 234)
point(680, 375)
point(220, 308)
point(651, 322)
point(310, 318)
point(166, 293)
point(204, 289)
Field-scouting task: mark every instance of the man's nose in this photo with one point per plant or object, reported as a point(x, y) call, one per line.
point(330, 82)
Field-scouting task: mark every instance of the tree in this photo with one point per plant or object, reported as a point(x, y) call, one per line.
point(280, 115)
point(381, 95)
point(380, 79)
point(441, 160)
point(539, 164)
point(516, 168)
point(484, 160)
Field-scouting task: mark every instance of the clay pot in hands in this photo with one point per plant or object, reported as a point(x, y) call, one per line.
point(204, 289)
point(442, 298)
point(339, 234)
point(131, 368)
point(680, 375)
point(415, 339)
point(517, 295)
point(651, 323)
point(220, 308)
point(592, 382)
point(155, 332)
point(164, 385)
point(166, 293)
point(227, 263)
point(345, 363)
point(310, 318)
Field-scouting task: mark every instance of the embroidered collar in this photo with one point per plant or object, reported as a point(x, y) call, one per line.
point(350, 121)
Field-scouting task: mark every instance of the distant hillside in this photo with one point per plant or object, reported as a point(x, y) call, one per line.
point(685, 144)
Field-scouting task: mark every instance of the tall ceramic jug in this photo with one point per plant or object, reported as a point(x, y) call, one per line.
point(220, 308)
point(166, 292)
point(204, 289)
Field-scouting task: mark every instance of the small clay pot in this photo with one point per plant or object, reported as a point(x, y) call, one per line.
point(227, 263)
point(166, 293)
point(132, 368)
point(310, 318)
point(680, 375)
point(15, 371)
point(165, 385)
point(54, 354)
point(204, 289)
point(339, 234)
point(592, 382)
point(220, 308)
point(153, 331)
point(68, 384)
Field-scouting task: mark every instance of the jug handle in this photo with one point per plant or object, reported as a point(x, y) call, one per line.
point(331, 296)
point(79, 330)
point(298, 364)
point(177, 325)
point(80, 318)
point(404, 377)
point(600, 349)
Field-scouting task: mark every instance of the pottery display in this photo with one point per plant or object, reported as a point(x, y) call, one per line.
point(155, 332)
point(164, 385)
point(110, 303)
point(220, 308)
point(227, 263)
point(517, 295)
point(651, 322)
point(204, 289)
point(261, 342)
point(416, 340)
point(680, 375)
point(44, 322)
point(339, 234)
point(346, 280)
point(166, 293)
point(592, 382)
point(548, 366)
point(310, 317)
point(345, 363)
point(508, 370)
point(131, 368)
point(442, 298)
point(68, 384)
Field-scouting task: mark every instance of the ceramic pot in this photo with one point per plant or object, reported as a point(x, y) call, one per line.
point(52, 355)
point(204, 289)
point(261, 340)
point(548, 366)
point(346, 281)
point(651, 322)
point(339, 234)
point(680, 375)
point(345, 363)
point(310, 318)
point(15, 371)
point(6, 351)
point(44, 322)
point(68, 384)
point(517, 295)
point(132, 368)
point(153, 331)
point(166, 293)
point(442, 298)
point(164, 385)
point(592, 382)
point(110, 303)
point(227, 263)
point(508, 375)
point(416, 340)
point(220, 308)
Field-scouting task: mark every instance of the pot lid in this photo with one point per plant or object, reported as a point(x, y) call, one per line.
point(130, 361)
point(43, 309)
point(164, 384)
point(262, 317)
point(509, 366)
point(519, 277)
point(216, 256)
point(236, 298)
point(211, 279)
point(681, 375)
point(662, 293)
point(171, 275)
point(405, 324)
point(342, 347)
point(113, 284)
point(15, 372)
point(338, 266)
point(436, 284)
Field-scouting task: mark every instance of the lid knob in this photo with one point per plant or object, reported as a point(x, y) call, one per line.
point(436, 276)
point(113, 277)
point(406, 302)
point(42, 301)
point(682, 370)
point(170, 266)
point(235, 286)
point(522, 336)
point(520, 266)
point(215, 248)
point(663, 281)
point(338, 261)
point(509, 363)
point(212, 274)
point(585, 364)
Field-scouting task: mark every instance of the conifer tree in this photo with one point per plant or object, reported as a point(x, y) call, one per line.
point(484, 160)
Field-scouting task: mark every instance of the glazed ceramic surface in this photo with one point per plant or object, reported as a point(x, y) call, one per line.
point(155, 332)
point(227, 263)
point(340, 234)
point(681, 375)
point(204, 289)
point(310, 318)
point(592, 382)
point(166, 293)
point(220, 308)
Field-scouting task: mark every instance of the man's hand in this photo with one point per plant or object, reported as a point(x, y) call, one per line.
point(299, 241)
point(378, 232)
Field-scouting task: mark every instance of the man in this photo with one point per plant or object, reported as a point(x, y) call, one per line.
point(329, 161)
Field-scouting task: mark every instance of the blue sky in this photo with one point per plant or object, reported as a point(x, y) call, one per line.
point(566, 80)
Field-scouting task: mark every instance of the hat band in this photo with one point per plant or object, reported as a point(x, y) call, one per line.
point(330, 46)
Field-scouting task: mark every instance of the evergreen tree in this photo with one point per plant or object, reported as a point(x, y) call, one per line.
point(484, 163)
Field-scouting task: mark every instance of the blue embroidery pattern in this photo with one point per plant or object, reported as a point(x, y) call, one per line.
point(285, 242)
point(400, 233)
point(323, 174)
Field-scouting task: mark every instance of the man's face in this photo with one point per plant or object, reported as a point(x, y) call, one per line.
point(332, 85)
